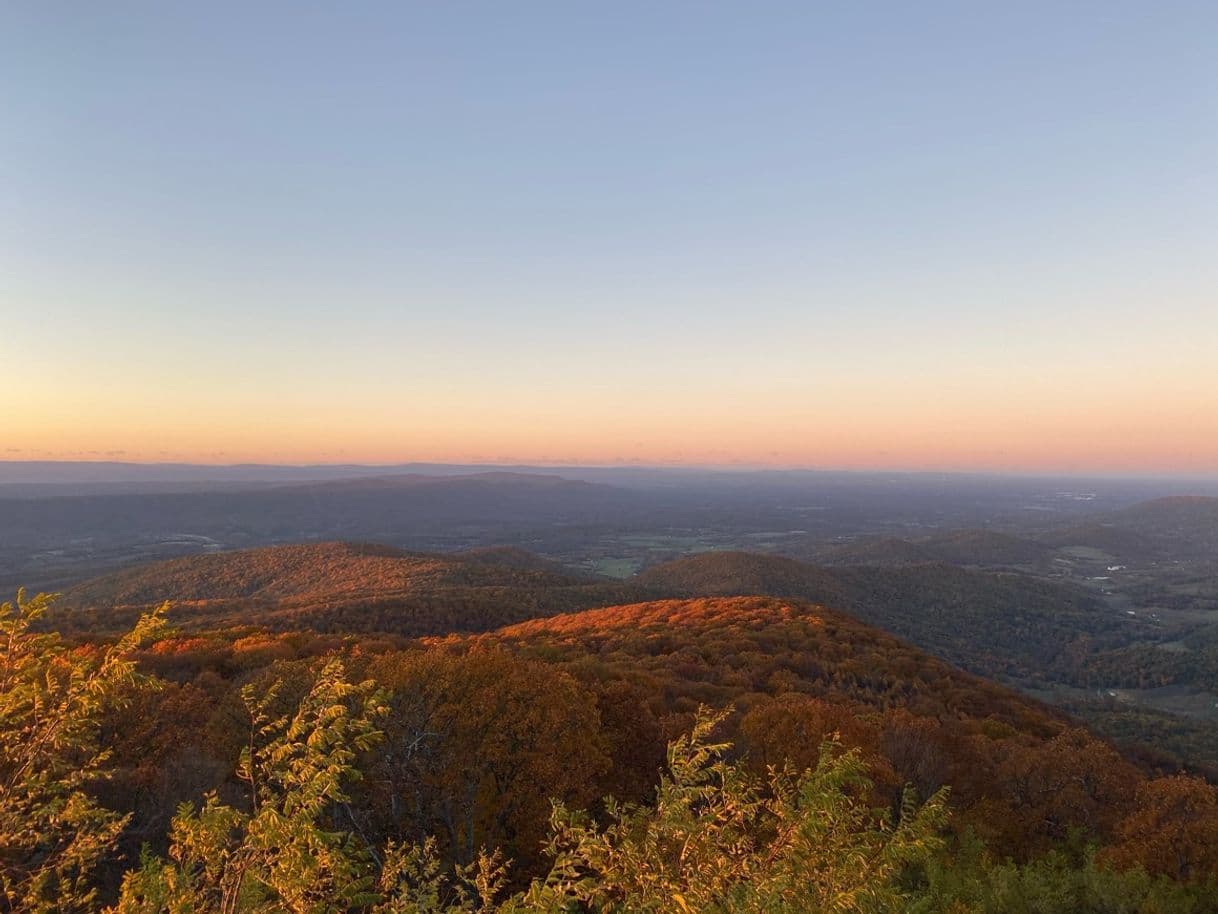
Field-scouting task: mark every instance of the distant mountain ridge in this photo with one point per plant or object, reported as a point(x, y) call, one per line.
point(392, 508)
point(1158, 528)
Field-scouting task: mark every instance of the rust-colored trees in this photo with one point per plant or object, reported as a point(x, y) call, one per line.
point(1173, 829)
point(476, 746)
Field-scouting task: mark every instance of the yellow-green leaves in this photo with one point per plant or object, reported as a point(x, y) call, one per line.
point(717, 839)
point(281, 854)
point(52, 697)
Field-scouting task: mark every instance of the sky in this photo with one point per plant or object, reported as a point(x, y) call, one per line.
point(960, 236)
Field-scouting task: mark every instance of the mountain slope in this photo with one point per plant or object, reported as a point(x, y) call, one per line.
point(875, 550)
point(986, 547)
point(1021, 774)
point(960, 547)
point(1177, 514)
point(793, 674)
point(722, 649)
point(1180, 525)
point(744, 574)
point(341, 587)
point(995, 624)
point(511, 557)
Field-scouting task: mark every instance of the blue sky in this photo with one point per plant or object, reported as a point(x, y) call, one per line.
point(817, 234)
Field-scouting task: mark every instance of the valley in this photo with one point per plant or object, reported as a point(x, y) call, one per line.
point(555, 634)
point(1110, 615)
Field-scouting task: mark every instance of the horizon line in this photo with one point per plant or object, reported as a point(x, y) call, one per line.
point(741, 467)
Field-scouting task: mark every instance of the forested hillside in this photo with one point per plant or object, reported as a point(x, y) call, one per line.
point(796, 672)
point(813, 764)
point(1061, 639)
point(343, 587)
point(993, 623)
point(1133, 649)
point(496, 683)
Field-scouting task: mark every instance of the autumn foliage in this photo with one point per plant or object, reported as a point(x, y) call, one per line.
point(525, 770)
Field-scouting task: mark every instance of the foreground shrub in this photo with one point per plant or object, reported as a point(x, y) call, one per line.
point(53, 834)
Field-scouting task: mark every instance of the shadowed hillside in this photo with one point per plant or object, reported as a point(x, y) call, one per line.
point(1135, 652)
point(745, 574)
point(995, 624)
point(331, 587)
point(1179, 526)
point(512, 557)
point(986, 547)
point(962, 547)
point(1125, 543)
point(1179, 515)
point(874, 550)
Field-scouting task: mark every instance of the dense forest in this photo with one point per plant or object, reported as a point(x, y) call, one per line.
point(702, 754)
point(1052, 637)
point(343, 587)
point(995, 624)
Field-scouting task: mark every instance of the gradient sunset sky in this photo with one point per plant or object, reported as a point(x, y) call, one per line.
point(842, 235)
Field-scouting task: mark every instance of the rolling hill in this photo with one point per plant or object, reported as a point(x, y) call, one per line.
point(970, 547)
point(1118, 543)
point(620, 680)
point(333, 587)
point(992, 623)
point(744, 574)
point(874, 550)
point(723, 649)
point(794, 672)
point(1053, 639)
point(995, 624)
point(987, 548)
point(1179, 526)
point(1175, 527)
point(1186, 515)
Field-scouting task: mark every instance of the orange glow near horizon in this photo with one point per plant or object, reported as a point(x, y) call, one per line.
point(858, 429)
point(1084, 398)
point(907, 241)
